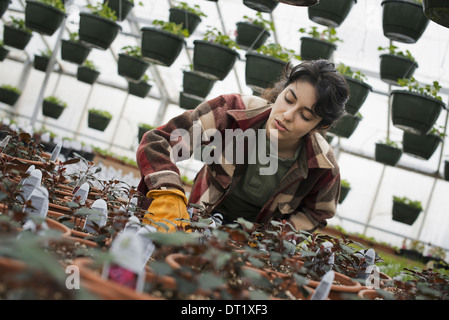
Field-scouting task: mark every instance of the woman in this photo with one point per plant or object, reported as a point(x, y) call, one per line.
point(304, 186)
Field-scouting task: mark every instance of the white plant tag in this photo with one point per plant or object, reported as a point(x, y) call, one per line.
point(370, 257)
point(100, 216)
point(29, 170)
point(126, 265)
point(56, 151)
point(39, 203)
point(322, 290)
point(133, 224)
point(148, 244)
point(30, 183)
point(4, 143)
point(82, 193)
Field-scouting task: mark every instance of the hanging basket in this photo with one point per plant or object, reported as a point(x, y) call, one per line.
point(387, 154)
point(414, 112)
point(261, 5)
point(132, 68)
point(40, 63)
point(3, 6)
point(121, 8)
point(393, 67)
point(3, 53)
point(16, 38)
point(346, 126)
point(189, 20)
point(403, 21)
point(139, 89)
point(214, 59)
point(87, 75)
point(250, 35)
point(9, 97)
point(437, 11)
point(187, 101)
point(197, 84)
point(359, 91)
point(74, 51)
point(43, 18)
point(446, 170)
point(343, 193)
point(330, 13)
point(97, 122)
point(96, 31)
point(160, 47)
point(314, 49)
point(405, 213)
point(262, 71)
point(420, 146)
point(52, 110)
point(300, 3)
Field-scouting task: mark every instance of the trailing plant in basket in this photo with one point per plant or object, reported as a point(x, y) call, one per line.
point(103, 10)
point(134, 51)
point(90, 64)
point(195, 9)
point(260, 21)
point(18, 23)
point(408, 202)
point(46, 53)
point(102, 113)
point(414, 86)
point(390, 143)
point(176, 29)
point(277, 51)
point(438, 131)
point(216, 36)
point(347, 71)
point(11, 88)
point(58, 4)
point(392, 49)
point(56, 100)
point(328, 34)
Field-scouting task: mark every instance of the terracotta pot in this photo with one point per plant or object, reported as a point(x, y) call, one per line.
point(342, 291)
point(108, 290)
point(369, 294)
point(55, 225)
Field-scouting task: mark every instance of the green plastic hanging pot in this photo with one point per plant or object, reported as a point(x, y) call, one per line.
point(87, 75)
point(262, 71)
point(343, 193)
point(3, 6)
point(300, 3)
point(414, 112)
point(359, 91)
point(330, 13)
point(139, 89)
point(393, 67)
point(74, 51)
point(261, 5)
point(96, 31)
point(420, 146)
point(187, 101)
point(43, 18)
point(16, 38)
point(121, 8)
point(346, 126)
point(3, 53)
point(189, 20)
point(314, 49)
point(437, 11)
point(405, 213)
point(160, 47)
point(9, 97)
point(197, 84)
point(97, 122)
point(40, 63)
point(403, 21)
point(52, 110)
point(446, 170)
point(132, 68)
point(387, 154)
point(250, 35)
point(214, 59)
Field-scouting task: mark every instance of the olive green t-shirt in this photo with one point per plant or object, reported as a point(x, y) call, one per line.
point(253, 190)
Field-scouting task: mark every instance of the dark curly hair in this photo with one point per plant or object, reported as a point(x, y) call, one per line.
point(332, 90)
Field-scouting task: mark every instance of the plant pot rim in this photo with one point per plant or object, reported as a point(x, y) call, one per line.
point(87, 68)
point(96, 16)
point(42, 4)
point(185, 11)
point(369, 87)
point(404, 2)
point(417, 94)
point(16, 29)
point(319, 40)
point(429, 135)
point(250, 24)
point(395, 56)
point(180, 38)
point(217, 45)
point(133, 58)
point(264, 56)
point(387, 146)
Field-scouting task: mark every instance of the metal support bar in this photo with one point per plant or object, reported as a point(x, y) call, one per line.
point(80, 122)
point(427, 208)
point(118, 122)
point(374, 199)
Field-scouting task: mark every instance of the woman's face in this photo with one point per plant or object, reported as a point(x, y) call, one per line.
point(292, 115)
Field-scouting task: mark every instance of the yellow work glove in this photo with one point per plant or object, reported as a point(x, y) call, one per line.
point(167, 207)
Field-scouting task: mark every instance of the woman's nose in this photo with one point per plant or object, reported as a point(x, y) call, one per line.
point(289, 114)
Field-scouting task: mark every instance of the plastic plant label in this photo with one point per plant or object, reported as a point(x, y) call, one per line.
point(147, 243)
point(370, 257)
point(133, 224)
point(82, 193)
point(56, 151)
point(29, 170)
point(39, 203)
point(100, 216)
point(4, 143)
point(322, 290)
point(30, 183)
point(126, 265)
